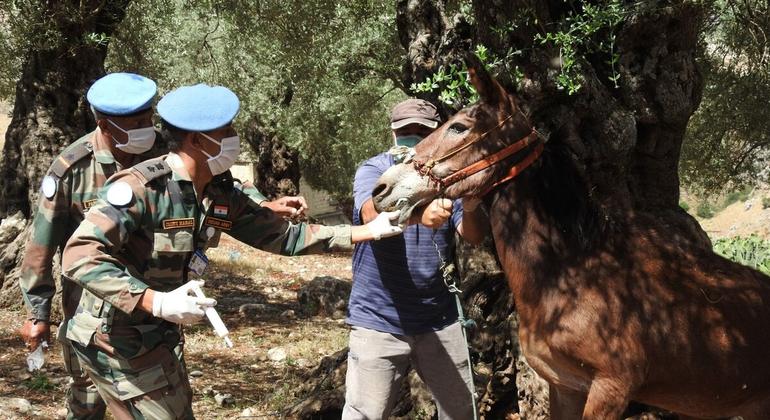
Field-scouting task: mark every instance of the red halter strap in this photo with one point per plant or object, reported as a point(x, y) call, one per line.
point(426, 169)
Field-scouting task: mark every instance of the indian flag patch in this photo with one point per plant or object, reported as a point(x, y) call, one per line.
point(220, 210)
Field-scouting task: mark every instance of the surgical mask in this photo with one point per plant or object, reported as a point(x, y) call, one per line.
point(408, 141)
point(229, 149)
point(139, 141)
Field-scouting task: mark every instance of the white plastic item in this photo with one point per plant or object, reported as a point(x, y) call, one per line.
point(36, 358)
point(219, 327)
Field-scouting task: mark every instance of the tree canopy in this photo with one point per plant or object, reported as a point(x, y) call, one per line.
point(728, 138)
point(323, 74)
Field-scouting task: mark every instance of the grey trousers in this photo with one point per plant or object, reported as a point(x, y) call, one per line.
point(377, 364)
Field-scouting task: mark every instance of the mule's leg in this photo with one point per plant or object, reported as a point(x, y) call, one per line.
point(607, 399)
point(565, 404)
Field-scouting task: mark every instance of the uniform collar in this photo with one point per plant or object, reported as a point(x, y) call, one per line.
point(102, 153)
point(178, 171)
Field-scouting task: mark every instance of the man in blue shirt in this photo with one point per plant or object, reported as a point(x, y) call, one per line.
point(400, 310)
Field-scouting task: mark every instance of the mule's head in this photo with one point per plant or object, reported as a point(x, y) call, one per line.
point(440, 163)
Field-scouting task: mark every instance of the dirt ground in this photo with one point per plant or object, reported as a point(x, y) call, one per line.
point(742, 218)
point(238, 275)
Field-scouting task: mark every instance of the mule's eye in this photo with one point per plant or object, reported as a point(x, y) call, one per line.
point(457, 128)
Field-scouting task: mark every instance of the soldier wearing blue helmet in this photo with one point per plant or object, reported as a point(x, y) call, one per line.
point(143, 245)
point(122, 106)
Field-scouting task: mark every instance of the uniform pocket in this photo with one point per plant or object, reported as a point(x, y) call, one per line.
point(132, 385)
point(173, 241)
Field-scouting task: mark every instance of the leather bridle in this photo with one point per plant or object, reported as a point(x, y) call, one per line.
point(426, 168)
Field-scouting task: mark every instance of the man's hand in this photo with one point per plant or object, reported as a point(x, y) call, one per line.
point(178, 306)
point(434, 214)
point(35, 332)
point(287, 206)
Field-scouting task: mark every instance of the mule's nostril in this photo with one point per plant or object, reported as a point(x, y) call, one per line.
point(380, 191)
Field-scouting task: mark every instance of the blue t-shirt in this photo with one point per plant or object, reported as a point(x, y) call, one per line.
point(391, 292)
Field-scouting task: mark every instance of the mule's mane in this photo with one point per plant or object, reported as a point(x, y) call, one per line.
point(560, 195)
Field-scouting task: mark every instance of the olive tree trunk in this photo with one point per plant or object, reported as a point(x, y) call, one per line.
point(67, 47)
point(278, 170)
point(626, 138)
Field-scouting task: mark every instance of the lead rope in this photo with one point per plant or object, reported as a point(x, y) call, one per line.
point(449, 274)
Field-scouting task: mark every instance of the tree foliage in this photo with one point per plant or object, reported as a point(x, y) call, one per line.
point(728, 138)
point(321, 74)
point(52, 52)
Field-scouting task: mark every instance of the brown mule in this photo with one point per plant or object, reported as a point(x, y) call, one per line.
point(613, 307)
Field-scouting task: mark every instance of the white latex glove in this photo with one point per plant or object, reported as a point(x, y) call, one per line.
point(381, 226)
point(179, 307)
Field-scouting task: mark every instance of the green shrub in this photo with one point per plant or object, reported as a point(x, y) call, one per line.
point(39, 382)
point(737, 195)
point(752, 251)
point(766, 203)
point(684, 205)
point(705, 210)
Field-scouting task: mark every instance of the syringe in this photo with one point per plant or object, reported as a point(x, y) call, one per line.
point(219, 327)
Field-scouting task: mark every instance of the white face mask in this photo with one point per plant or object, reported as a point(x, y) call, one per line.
point(229, 149)
point(139, 141)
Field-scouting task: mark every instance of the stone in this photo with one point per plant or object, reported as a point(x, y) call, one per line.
point(10, 227)
point(276, 354)
point(209, 391)
point(18, 405)
point(254, 309)
point(196, 374)
point(23, 375)
point(325, 296)
point(224, 399)
point(288, 314)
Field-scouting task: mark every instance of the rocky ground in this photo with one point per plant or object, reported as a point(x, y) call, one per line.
point(276, 343)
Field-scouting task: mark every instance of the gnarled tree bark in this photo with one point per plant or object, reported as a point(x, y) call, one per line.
point(626, 140)
point(50, 110)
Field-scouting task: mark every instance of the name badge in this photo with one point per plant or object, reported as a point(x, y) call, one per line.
point(198, 263)
point(218, 223)
point(187, 222)
point(89, 203)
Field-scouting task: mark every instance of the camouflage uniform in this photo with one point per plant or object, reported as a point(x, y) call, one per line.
point(80, 171)
point(120, 251)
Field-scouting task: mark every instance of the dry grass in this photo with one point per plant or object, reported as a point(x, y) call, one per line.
point(238, 275)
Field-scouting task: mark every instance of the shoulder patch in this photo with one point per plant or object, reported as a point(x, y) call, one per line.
point(153, 168)
point(120, 194)
point(69, 156)
point(49, 186)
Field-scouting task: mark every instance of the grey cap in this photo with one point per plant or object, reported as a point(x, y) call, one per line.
point(414, 111)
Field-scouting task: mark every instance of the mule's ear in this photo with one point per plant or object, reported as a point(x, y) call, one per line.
point(489, 90)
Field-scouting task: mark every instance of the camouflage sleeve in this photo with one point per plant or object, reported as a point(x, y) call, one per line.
point(49, 230)
point(89, 257)
point(263, 229)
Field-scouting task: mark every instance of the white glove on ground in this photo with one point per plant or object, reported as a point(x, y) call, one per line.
point(381, 226)
point(178, 306)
